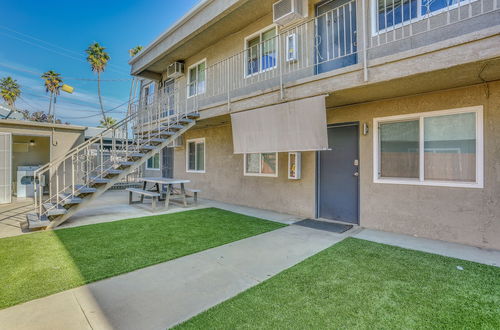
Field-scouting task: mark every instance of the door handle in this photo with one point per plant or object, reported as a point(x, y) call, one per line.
point(356, 174)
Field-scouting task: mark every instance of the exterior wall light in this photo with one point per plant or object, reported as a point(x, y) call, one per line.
point(365, 129)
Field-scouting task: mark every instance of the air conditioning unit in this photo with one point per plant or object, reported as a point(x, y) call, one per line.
point(177, 143)
point(288, 11)
point(175, 70)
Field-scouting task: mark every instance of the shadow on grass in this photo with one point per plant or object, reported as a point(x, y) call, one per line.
point(40, 264)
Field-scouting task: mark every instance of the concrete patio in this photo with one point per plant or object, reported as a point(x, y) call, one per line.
point(113, 205)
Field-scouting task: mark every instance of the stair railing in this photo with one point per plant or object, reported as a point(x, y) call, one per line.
point(93, 159)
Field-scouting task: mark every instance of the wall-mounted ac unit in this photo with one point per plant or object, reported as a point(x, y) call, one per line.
point(177, 143)
point(288, 11)
point(175, 70)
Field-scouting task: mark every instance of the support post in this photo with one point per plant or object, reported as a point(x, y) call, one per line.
point(365, 42)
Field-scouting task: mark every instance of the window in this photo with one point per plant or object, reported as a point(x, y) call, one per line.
point(393, 13)
point(261, 164)
point(153, 162)
point(261, 52)
point(149, 92)
point(195, 155)
point(437, 148)
point(197, 78)
point(168, 98)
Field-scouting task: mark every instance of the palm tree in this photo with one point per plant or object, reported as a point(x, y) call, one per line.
point(10, 90)
point(134, 51)
point(98, 60)
point(107, 122)
point(53, 83)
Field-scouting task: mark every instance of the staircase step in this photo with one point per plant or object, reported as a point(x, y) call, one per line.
point(113, 171)
point(53, 209)
point(147, 147)
point(81, 189)
point(174, 127)
point(126, 164)
point(68, 199)
point(163, 133)
point(99, 180)
point(34, 221)
point(153, 140)
point(193, 115)
point(136, 155)
point(186, 121)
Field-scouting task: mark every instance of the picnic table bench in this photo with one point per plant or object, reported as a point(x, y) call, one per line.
point(195, 194)
point(154, 195)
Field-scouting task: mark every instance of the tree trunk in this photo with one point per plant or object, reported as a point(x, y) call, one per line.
point(54, 109)
point(50, 102)
point(100, 98)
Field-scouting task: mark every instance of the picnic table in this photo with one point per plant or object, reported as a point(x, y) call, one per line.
point(169, 191)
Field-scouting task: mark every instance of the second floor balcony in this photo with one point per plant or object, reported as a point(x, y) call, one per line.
point(354, 37)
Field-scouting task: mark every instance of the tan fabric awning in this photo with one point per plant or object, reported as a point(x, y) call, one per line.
point(286, 127)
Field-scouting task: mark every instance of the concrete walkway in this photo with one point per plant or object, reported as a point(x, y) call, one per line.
point(163, 295)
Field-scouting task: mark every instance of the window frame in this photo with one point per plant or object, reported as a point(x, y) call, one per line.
point(245, 173)
point(245, 50)
point(189, 78)
point(148, 97)
point(154, 168)
point(420, 17)
point(421, 181)
point(196, 141)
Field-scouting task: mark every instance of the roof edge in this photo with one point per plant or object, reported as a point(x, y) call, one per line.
point(41, 124)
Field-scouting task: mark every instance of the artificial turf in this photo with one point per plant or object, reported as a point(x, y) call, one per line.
point(43, 263)
point(357, 284)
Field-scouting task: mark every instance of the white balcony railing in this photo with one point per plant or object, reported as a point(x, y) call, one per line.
point(325, 43)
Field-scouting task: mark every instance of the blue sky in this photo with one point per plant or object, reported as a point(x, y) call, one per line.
point(70, 26)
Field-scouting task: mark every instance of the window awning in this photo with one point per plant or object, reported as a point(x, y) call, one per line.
point(286, 127)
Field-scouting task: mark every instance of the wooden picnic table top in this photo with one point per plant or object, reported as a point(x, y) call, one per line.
point(161, 180)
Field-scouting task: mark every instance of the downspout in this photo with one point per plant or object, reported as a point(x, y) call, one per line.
point(365, 60)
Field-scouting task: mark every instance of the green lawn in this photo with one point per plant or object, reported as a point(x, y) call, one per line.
point(39, 264)
point(360, 284)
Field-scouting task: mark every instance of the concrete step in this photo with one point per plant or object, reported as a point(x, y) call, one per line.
point(52, 209)
point(35, 222)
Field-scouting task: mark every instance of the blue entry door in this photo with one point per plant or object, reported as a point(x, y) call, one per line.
point(336, 41)
point(338, 185)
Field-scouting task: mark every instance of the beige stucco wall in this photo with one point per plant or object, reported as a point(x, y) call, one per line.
point(62, 139)
point(224, 181)
point(465, 215)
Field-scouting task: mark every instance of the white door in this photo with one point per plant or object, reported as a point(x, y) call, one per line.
point(5, 167)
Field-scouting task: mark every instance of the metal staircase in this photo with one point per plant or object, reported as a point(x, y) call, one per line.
point(69, 183)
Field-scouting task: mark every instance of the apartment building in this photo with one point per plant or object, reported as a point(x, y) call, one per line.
point(384, 114)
